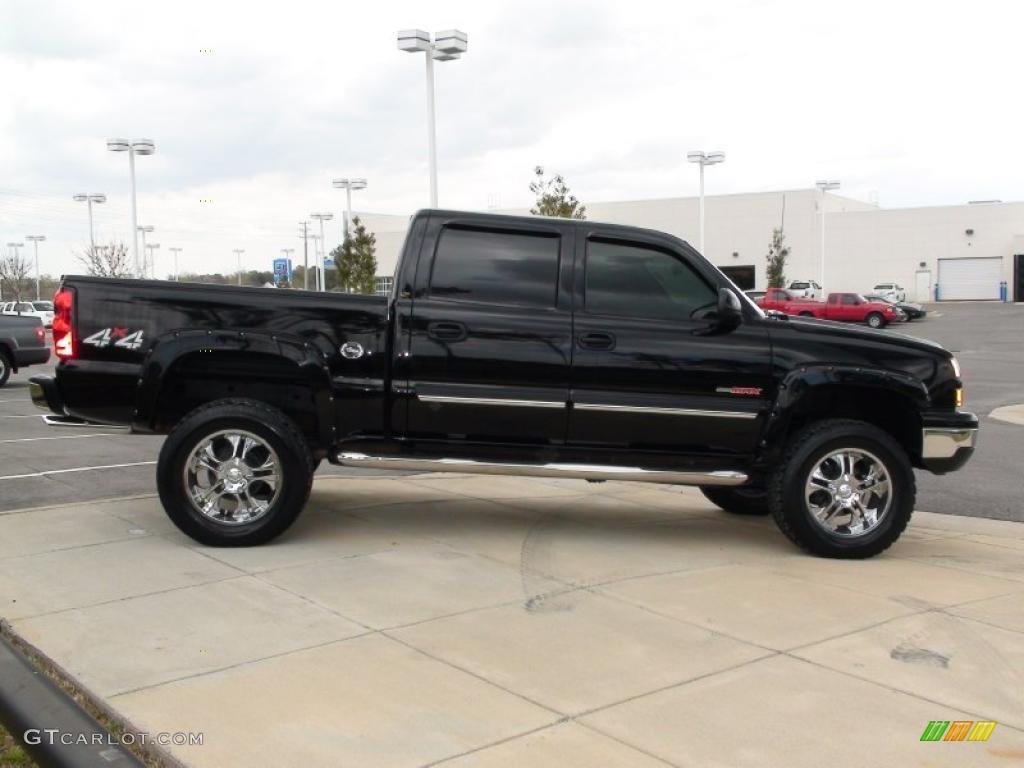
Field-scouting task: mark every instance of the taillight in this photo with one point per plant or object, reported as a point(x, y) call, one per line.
point(63, 325)
point(41, 334)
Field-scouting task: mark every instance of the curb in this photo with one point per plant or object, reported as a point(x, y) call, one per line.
point(28, 700)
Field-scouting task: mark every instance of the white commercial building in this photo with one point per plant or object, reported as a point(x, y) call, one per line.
point(955, 252)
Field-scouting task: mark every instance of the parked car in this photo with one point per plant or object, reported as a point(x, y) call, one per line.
point(22, 343)
point(755, 296)
point(30, 308)
point(891, 291)
point(784, 301)
point(512, 346)
point(805, 289)
point(911, 310)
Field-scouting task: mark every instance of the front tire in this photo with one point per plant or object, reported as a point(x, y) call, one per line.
point(875, 320)
point(738, 501)
point(234, 472)
point(845, 489)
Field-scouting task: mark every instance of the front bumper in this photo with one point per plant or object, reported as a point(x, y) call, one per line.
point(947, 441)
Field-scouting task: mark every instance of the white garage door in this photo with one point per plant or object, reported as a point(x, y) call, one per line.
point(963, 279)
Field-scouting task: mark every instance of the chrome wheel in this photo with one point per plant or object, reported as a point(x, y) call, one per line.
point(232, 477)
point(848, 492)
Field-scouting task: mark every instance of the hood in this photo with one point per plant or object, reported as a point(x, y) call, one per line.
point(840, 331)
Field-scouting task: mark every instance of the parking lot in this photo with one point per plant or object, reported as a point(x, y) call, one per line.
point(425, 619)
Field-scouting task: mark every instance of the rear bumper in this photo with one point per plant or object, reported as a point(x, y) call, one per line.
point(31, 356)
point(44, 393)
point(947, 441)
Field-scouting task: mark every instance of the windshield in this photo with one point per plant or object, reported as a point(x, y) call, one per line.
point(43, 306)
point(798, 286)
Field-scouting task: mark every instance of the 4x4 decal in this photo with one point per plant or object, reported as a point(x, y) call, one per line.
point(116, 336)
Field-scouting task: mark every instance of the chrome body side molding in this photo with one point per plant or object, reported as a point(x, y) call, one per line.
point(452, 400)
point(665, 411)
point(576, 471)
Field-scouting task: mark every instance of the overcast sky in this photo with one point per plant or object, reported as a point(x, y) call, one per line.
point(915, 102)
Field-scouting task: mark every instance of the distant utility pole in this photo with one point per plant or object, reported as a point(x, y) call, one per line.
point(322, 280)
point(238, 255)
point(150, 247)
point(175, 251)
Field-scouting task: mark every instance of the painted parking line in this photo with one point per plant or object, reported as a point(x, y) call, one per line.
point(29, 416)
point(58, 437)
point(78, 469)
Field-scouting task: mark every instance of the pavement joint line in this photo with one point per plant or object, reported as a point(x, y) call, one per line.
point(625, 743)
point(90, 502)
point(125, 598)
point(496, 743)
point(78, 469)
point(236, 665)
point(70, 547)
point(928, 561)
point(912, 694)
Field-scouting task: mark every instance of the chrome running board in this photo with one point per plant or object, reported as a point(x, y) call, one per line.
point(575, 471)
point(72, 421)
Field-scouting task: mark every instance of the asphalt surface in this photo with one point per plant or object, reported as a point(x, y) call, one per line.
point(43, 466)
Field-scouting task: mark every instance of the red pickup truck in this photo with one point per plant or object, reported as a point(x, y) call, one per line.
point(848, 307)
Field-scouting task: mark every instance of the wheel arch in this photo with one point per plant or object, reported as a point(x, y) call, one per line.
point(890, 401)
point(185, 369)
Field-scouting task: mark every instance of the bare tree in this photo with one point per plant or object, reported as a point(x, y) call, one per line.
point(14, 272)
point(107, 260)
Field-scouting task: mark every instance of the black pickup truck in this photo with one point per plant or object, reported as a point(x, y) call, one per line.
point(515, 346)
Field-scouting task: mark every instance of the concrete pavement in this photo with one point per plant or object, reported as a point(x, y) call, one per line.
point(483, 621)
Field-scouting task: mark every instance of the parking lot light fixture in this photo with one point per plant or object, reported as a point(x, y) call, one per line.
point(703, 159)
point(446, 46)
point(151, 264)
point(348, 185)
point(322, 217)
point(142, 271)
point(175, 251)
point(133, 148)
point(97, 197)
point(823, 187)
point(238, 255)
point(36, 240)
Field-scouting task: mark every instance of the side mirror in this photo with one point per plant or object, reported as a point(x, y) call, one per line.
point(729, 313)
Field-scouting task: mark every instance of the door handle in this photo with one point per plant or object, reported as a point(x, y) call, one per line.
point(596, 340)
point(445, 330)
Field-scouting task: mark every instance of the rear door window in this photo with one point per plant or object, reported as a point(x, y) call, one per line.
point(496, 267)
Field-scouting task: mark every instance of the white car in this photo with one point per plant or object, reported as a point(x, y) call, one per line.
point(804, 289)
point(41, 309)
point(891, 291)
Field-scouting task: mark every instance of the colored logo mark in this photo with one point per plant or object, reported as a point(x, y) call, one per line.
point(958, 730)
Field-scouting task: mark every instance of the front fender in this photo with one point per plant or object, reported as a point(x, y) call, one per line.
point(170, 348)
point(796, 394)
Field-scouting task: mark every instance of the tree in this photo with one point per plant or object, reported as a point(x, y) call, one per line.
point(356, 260)
point(107, 260)
point(14, 275)
point(777, 254)
point(554, 198)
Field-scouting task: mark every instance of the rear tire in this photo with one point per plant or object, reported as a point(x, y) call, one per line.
point(234, 473)
point(854, 507)
point(5, 367)
point(875, 320)
point(738, 501)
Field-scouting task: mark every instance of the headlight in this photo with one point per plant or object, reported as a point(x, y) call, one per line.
point(956, 366)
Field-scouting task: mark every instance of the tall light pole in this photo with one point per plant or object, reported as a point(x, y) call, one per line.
point(704, 158)
point(175, 251)
point(238, 255)
point(97, 197)
point(823, 187)
point(133, 148)
point(447, 45)
point(322, 217)
point(152, 262)
point(143, 271)
point(348, 185)
point(304, 234)
point(287, 252)
point(36, 240)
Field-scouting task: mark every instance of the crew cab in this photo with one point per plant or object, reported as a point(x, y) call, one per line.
point(512, 346)
point(22, 343)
